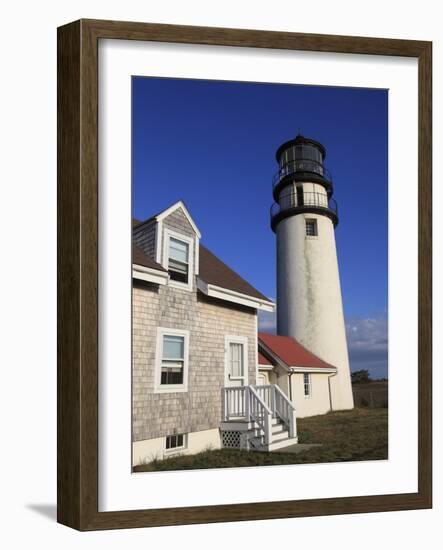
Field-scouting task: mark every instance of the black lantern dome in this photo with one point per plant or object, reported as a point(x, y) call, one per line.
point(301, 160)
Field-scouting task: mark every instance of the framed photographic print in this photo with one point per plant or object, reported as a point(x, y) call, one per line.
point(244, 275)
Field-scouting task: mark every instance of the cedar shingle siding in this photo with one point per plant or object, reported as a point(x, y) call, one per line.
point(209, 321)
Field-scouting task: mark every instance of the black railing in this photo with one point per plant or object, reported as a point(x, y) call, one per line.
point(303, 201)
point(301, 166)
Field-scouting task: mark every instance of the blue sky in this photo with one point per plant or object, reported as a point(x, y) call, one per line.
point(212, 144)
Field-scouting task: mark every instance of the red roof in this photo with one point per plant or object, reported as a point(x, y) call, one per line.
point(291, 352)
point(262, 360)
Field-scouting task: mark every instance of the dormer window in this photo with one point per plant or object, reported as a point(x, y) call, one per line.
point(178, 260)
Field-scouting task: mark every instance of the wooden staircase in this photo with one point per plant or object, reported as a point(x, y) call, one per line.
point(263, 416)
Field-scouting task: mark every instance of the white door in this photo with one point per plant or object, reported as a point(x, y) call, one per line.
point(236, 367)
point(236, 375)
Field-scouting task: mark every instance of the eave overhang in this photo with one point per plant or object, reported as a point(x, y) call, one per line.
point(150, 275)
point(229, 295)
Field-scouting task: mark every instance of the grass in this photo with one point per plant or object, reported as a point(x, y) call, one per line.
point(371, 394)
point(360, 434)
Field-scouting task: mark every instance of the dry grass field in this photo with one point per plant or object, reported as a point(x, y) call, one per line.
point(360, 434)
point(371, 394)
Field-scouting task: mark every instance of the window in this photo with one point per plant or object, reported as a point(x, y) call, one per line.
point(171, 360)
point(178, 260)
point(307, 388)
point(175, 442)
point(311, 228)
point(236, 359)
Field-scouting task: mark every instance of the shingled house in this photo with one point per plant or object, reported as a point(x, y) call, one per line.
point(202, 375)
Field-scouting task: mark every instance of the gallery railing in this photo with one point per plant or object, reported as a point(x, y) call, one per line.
point(301, 166)
point(303, 200)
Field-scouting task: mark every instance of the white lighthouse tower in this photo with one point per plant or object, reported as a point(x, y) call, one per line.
point(309, 302)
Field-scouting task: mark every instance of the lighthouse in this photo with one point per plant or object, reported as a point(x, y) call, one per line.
point(309, 302)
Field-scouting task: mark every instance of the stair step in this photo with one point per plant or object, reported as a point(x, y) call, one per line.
point(282, 443)
point(277, 428)
point(279, 436)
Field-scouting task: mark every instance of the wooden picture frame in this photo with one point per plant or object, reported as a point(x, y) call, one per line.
point(78, 274)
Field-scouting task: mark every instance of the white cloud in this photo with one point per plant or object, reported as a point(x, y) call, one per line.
point(368, 344)
point(367, 341)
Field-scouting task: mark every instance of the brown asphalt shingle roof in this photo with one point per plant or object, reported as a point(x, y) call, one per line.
point(140, 258)
point(215, 272)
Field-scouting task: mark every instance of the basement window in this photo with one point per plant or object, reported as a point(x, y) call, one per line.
point(311, 228)
point(175, 442)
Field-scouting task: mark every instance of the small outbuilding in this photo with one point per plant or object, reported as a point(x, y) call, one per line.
point(303, 376)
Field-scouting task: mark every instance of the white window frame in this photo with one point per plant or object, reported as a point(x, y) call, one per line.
point(233, 339)
point(170, 388)
point(176, 449)
point(308, 374)
point(167, 235)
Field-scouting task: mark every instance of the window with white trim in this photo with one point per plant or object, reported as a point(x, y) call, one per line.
point(311, 228)
point(236, 359)
point(172, 360)
point(307, 385)
point(178, 260)
point(175, 442)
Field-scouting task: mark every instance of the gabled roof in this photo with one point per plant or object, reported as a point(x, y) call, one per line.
point(179, 204)
point(140, 258)
point(290, 352)
point(166, 212)
point(214, 276)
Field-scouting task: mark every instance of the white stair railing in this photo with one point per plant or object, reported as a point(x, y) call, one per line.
point(280, 406)
point(234, 402)
point(266, 394)
point(259, 413)
point(285, 410)
point(259, 404)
